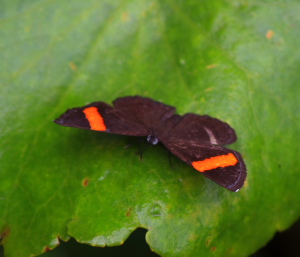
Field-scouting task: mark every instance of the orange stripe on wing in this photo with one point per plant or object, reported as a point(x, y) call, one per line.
point(95, 119)
point(220, 161)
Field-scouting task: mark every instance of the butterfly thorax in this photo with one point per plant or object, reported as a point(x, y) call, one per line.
point(152, 139)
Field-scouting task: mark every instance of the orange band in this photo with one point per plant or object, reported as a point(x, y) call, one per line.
point(215, 162)
point(95, 119)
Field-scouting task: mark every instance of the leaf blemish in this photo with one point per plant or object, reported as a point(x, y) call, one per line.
point(104, 176)
point(47, 249)
point(211, 66)
point(73, 66)
point(156, 210)
point(4, 233)
point(208, 242)
point(213, 248)
point(128, 213)
point(270, 34)
point(85, 182)
point(125, 16)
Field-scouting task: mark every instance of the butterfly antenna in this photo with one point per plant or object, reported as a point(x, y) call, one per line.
point(170, 159)
point(143, 149)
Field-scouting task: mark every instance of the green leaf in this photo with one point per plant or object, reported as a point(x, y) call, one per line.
point(234, 60)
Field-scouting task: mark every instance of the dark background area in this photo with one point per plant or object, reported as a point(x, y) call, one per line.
point(286, 243)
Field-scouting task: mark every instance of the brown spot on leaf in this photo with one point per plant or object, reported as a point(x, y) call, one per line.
point(72, 66)
point(125, 16)
point(4, 233)
point(208, 89)
point(208, 242)
point(211, 66)
point(47, 249)
point(85, 182)
point(270, 34)
point(128, 213)
point(213, 248)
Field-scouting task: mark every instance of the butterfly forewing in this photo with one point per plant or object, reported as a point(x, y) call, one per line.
point(122, 118)
point(143, 110)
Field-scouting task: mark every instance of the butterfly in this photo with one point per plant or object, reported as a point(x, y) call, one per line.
point(195, 139)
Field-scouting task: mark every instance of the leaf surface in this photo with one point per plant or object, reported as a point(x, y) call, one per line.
point(234, 60)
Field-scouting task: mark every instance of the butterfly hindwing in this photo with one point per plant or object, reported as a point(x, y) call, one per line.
point(224, 166)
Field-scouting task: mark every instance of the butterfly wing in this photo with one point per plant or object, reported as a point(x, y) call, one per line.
point(223, 166)
point(199, 129)
point(195, 139)
point(133, 116)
